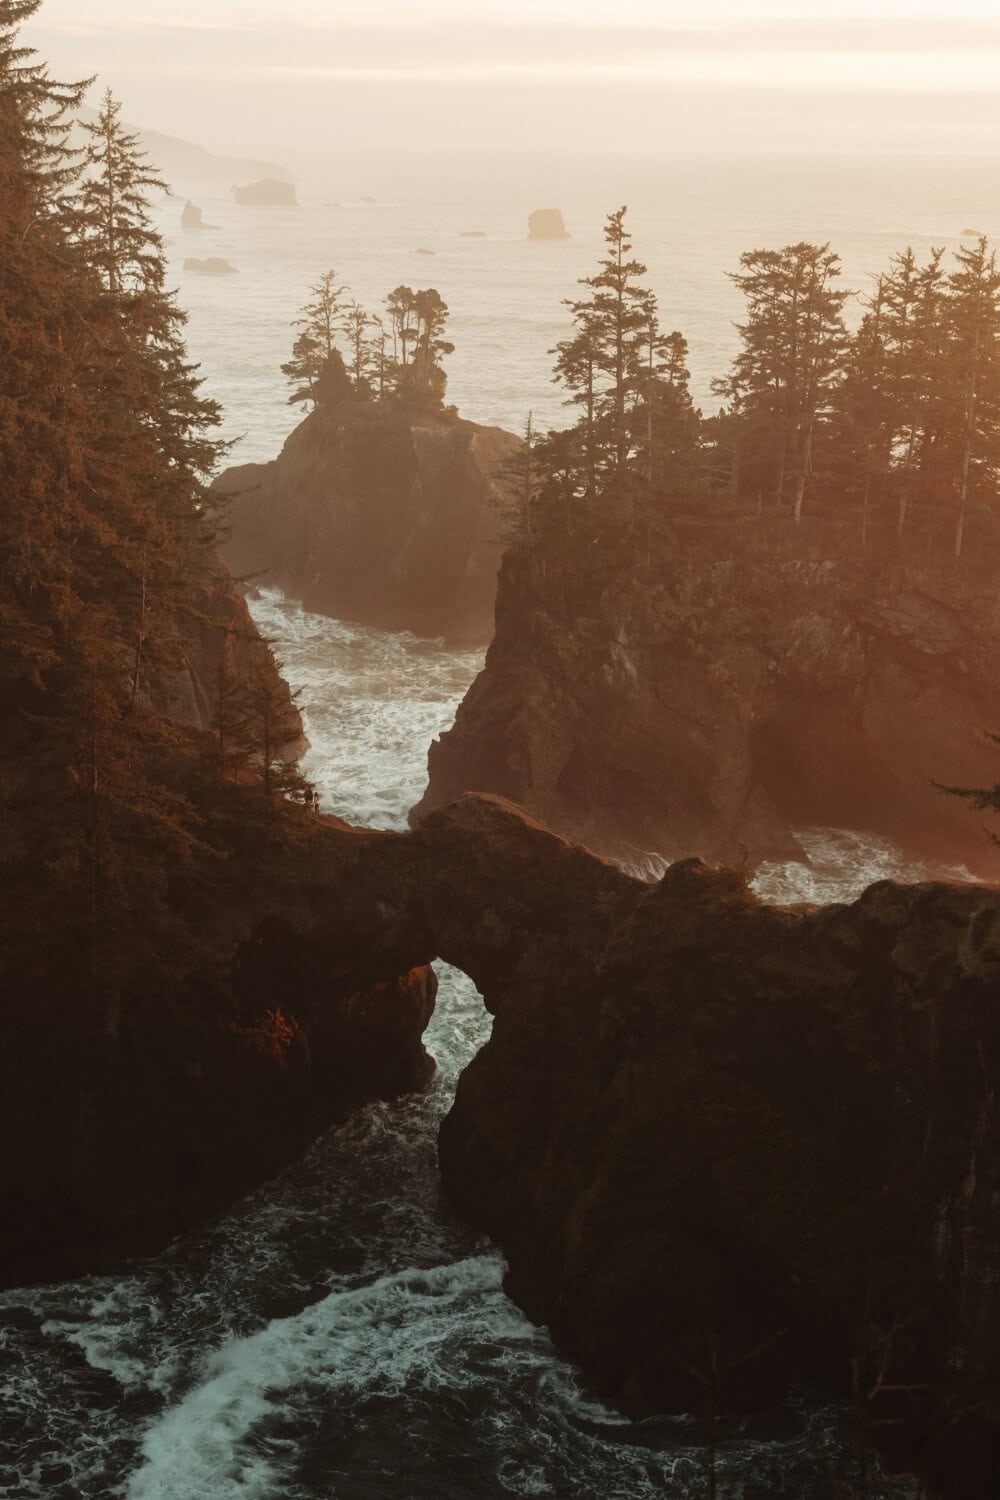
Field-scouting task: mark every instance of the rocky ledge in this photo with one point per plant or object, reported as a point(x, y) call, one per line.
point(714, 692)
point(383, 516)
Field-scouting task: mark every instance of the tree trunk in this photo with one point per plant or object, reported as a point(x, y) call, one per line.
point(802, 472)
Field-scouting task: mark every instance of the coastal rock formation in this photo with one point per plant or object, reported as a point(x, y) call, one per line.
point(702, 1122)
point(213, 266)
point(126, 1126)
point(183, 162)
point(385, 517)
point(730, 687)
point(547, 224)
point(192, 217)
point(267, 192)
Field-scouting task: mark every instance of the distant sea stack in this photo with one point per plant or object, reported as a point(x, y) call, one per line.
point(547, 224)
point(268, 192)
point(386, 515)
point(736, 685)
point(192, 218)
point(213, 266)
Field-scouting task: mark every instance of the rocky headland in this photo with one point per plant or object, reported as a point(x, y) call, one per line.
point(266, 192)
point(383, 515)
point(734, 679)
point(721, 1142)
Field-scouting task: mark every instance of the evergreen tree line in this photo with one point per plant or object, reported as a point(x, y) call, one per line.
point(901, 414)
point(107, 526)
point(343, 353)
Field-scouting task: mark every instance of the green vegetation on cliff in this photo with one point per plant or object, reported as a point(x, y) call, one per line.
point(894, 425)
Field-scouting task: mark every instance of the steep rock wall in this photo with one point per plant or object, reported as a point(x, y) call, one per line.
point(718, 694)
point(703, 1122)
point(382, 516)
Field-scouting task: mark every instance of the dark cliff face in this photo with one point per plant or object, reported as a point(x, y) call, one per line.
point(221, 630)
point(380, 516)
point(295, 991)
point(713, 698)
point(704, 1121)
point(700, 1121)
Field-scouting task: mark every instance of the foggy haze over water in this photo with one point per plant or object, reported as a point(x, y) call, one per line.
point(691, 219)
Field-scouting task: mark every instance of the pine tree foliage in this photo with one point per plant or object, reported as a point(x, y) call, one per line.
point(792, 347)
point(637, 436)
point(344, 354)
point(107, 533)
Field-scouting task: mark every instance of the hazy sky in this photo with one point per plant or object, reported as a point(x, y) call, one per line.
point(307, 78)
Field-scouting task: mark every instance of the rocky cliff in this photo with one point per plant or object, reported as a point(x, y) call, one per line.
point(732, 683)
point(282, 990)
point(382, 516)
point(722, 1142)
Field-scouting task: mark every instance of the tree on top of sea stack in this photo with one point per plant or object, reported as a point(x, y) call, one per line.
point(315, 348)
point(793, 343)
point(973, 310)
point(637, 434)
point(412, 371)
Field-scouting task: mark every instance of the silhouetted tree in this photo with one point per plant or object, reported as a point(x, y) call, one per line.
point(792, 346)
point(320, 325)
point(973, 309)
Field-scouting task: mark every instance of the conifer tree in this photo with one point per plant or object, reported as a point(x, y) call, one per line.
point(113, 205)
point(356, 325)
point(973, 307)
point(912, 331)
point(320, 326)
point(865, 413)
point(602, 364)
point(638, 431)
point(793, 342)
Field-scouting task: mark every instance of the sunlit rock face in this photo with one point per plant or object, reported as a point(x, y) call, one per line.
point(725, 690)
point(385, 517)
point(703, 1123)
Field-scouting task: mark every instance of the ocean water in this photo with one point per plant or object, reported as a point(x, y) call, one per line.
point(691, 218)
point(340, 1333)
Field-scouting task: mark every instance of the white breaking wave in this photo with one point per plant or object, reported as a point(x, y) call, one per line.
point(372, 703)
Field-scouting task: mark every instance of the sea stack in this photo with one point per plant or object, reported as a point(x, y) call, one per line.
point(267, 192)
point(191, 217)
point(388, 517)
point(213, 266)
point(547, 224)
